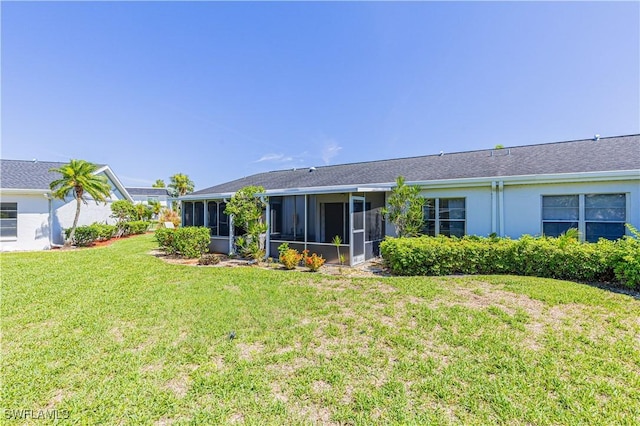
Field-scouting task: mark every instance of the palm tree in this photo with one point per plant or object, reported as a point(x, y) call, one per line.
point(79, 176)
point(180, 185)
point(159, 183)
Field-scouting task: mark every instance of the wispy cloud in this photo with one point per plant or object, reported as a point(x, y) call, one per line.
point(329, 150)
point(279, 158)
point(134, 180)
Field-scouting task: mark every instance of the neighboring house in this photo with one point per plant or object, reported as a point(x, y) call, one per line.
point(146, 195)
point(592, 185)
point(30, 219)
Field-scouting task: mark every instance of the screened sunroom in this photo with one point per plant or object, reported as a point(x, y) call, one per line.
point(306, 221)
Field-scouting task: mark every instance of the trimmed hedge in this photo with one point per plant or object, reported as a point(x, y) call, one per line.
point(164, 237)
point(84, 235)
point(135, 227)
point(561, 258)
point(190, 241)
point(88, 234)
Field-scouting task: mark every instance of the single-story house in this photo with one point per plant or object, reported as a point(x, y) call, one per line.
point(592, 185)
point(31, 219)
point(142, 195)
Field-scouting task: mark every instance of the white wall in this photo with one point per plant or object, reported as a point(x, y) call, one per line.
point(36, 229)
point(523, 203)
point(33, 223)
point(477, 204)
point(64, 212)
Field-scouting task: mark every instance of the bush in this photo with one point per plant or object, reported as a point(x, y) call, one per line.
point(560, 258)
point(313, 262)
point(123, 210)
point(164, 237)
point(290, 258)
point(84, 235)
point(209, 259)
point(135, 227)
point(167, 215)
point(105, 232)
point(191, 241)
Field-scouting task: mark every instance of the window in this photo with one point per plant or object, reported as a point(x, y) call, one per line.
point(595, 215)
point(187, 213)
point(445, 216)
point(8, 220)
point(559, 213)
point(604, 216)
point(198, 216)
point(287, 218)
point(218, 222)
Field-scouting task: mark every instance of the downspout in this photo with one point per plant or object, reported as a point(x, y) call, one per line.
point(501, 208)
point(231, 250)
point(494, 219)
point(305, 221)
point(267, 243)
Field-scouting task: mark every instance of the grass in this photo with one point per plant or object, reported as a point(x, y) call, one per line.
point(113, 335)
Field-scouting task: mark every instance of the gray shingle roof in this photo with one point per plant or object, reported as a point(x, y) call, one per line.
point(23, 174)
point(605, 154)
point(148, 191)
point(20, 174)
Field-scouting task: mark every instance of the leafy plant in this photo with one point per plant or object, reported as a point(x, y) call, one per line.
point(79, 178)
point(246, 206)
point(561, 258)
point(405, 209)
point(336, 242)
point(180, 185)
point(155, 206)
point(313, 262)
point(105, 232)
point(159, 183)
point(165, 237)
point(83, 235)
point(123, 211)
point(143, 212)
point(135, 227)
point(191, 241)
point(290, 258)
point(167, 215)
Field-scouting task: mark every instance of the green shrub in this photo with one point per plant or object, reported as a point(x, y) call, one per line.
point(626, 261)
point(561, 258)
point(135, 227)
point(105, 232)
point(164, 237)
point(84, 235)
point(191, 241)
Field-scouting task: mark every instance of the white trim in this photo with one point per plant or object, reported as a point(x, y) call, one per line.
point(115, 181)
point(445, 183)
point(17, 191)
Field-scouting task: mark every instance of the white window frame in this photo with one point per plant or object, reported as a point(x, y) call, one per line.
point(11, 237)
point(437, 219)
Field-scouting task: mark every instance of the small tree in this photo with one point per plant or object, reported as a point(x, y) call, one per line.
point(79, 178)
point(159, 183)
point(246, 207)
point(180, 185)
point(123, 211)
point(405, 209)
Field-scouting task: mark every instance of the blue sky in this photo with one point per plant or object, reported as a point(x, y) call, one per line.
point(223, 90)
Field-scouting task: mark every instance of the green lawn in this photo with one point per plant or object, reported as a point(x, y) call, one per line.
point(114, 335)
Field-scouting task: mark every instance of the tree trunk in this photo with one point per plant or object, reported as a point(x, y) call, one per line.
point(75, 223)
